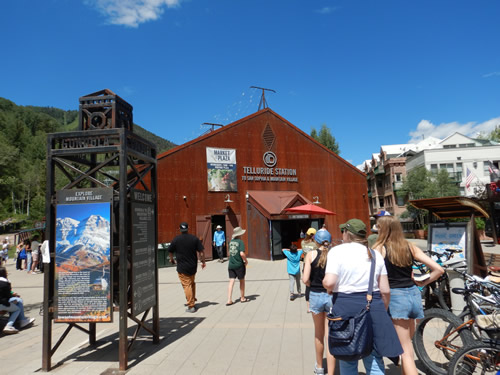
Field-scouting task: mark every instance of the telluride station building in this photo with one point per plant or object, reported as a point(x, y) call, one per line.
point(247, 174)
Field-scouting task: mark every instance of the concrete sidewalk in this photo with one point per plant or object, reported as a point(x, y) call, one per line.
point(268, 335)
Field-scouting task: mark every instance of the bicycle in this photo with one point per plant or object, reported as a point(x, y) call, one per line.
point(479, 358)
point(436, 293)
point(441, 334)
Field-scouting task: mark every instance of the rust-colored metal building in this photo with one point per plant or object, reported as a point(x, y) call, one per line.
point(246, 174)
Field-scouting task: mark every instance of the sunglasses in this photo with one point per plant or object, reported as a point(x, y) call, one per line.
point(345, 229)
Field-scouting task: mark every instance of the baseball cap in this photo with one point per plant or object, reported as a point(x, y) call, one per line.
point(183, 227)
point(382, 213)
point(311, 231)
point(322, 235)
point(355, 226)
point(218, 227)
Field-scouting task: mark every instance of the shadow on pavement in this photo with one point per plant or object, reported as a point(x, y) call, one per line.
point(106, 348)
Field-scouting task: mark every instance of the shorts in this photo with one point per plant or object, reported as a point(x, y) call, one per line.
point(319, 302)
point(406, 303)
point(238, 273)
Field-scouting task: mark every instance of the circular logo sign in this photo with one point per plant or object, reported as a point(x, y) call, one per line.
point(270, 159)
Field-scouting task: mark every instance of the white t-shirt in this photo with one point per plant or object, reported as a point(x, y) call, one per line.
point(351, 264)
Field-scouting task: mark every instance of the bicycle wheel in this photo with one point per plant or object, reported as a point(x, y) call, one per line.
point(434, 343)
point(479, 358)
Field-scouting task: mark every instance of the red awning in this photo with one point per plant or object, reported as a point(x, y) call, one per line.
point(310, 209)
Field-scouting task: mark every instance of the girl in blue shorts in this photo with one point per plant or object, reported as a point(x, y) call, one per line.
point(406, 302)
point(320, 301)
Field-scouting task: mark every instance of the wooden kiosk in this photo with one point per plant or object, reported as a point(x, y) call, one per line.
point(458, 207)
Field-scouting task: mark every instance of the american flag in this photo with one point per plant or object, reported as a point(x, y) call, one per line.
point(469, 178)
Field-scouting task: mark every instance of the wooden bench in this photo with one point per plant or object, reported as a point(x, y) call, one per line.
point(492, 262)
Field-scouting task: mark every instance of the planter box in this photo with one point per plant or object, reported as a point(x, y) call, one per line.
point(420, 234)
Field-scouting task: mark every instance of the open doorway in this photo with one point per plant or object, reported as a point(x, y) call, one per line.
point(287, 232)
point(216, 221)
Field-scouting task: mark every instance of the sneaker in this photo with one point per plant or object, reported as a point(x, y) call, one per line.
point(9, 330)
point(319, 371)
point(26, 322)
point(292, 297)
point(191, 310)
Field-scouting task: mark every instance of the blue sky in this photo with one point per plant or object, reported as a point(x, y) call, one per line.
point(83, 211)
point(375, 72)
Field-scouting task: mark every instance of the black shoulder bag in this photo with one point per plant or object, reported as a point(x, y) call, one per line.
point(352, 339)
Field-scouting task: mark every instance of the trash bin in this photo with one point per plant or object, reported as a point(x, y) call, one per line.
point(457, 300)
point(163, 258)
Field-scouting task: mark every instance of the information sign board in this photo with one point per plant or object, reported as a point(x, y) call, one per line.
point(83, 255)
point(143, 251)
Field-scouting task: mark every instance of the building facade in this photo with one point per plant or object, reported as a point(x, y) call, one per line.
point(466, 159)
point(247, 174)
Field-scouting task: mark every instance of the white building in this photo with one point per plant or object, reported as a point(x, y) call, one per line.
point(459, 154)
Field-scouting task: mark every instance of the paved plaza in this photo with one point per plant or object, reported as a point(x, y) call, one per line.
point(267, 335)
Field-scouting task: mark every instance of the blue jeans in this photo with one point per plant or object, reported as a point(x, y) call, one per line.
point(29, 260)
point(16, 310)
point(374, 365)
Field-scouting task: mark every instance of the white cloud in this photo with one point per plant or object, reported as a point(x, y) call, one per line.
point(426, 129)
point(132, 12)
point(327, 10)
point(492, 74)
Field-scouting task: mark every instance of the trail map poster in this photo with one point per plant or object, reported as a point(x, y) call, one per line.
point(448, 236)
point(83, 256)
point(143, 251)
point(221, 169)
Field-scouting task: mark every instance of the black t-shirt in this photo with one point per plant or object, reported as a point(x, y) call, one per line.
point(185, 246)
point(399, 277)
point(317, 275)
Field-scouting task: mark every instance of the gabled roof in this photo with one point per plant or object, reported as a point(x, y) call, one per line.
point(456, 134)
point(242, 121)
point(274, 202)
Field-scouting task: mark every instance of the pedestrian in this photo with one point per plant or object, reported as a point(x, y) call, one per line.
point(188, 249)
point(13, 304)
point(320, 302)
point(293, 268)
point(34, 254)
point(406, 301)
point(29, 257)
point(372, 238)
point(308, 244)
point(219, 242)
point(21, 254)
point(347, 276)
point(237, 265)
point(4, 252)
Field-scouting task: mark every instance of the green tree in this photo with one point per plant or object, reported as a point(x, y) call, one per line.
point(421, 184)
point(495, 134)
point(326, 138)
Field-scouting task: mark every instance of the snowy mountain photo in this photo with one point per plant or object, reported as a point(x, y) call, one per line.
point(82, 243)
